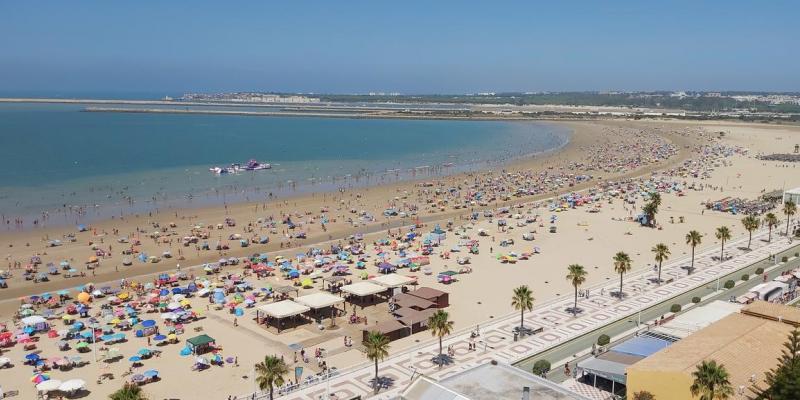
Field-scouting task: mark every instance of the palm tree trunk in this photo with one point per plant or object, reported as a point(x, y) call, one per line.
point(441, 356)
point(620, 286)
point(521, 320)
point(769, 238)
point(575, 308)
point(692, 267)
point(750, 239)
point(787, 225)
point(659, 272)
point(270, 392)
point(375, 384)
point(722, 251)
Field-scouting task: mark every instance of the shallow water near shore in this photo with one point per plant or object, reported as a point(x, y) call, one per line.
point(78, 166)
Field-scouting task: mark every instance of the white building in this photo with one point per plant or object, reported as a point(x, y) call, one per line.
point(792, 194)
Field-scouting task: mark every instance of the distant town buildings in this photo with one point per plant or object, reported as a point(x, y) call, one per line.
point(249, 97)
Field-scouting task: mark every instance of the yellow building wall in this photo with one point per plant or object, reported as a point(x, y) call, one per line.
point(664, 385)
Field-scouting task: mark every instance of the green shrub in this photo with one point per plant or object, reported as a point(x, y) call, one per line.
point(729, 284)
point(797, 254)
point(745, 277)
point(675, 308)
point(784, 259)
point(695, 299)
point(541, 367)
point(759, 271)
point(603, 340)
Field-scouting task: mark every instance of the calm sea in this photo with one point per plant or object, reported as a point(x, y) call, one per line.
point(58, 159)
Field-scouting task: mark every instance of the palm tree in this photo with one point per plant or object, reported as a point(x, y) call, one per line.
point(772, 221)
point(723, 234)
point(522, 301)
point(783, 381)
point(643, 395)
point(440, 326)
point(662, 254)
point(789, 209)
point(377, 348)
point(129, 391)
point(693, 238)
point(711, 381)
point(750, 223)
point(577, 276)
point(651, 208)
point(622, 264)
point(655, 199)
point(270, 372)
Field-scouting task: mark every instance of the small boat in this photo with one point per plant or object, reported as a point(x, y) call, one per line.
point(251, 165)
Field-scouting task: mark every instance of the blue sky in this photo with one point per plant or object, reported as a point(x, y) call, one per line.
point(408, 46)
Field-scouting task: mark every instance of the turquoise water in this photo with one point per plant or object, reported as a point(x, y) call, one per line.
point(56, 157)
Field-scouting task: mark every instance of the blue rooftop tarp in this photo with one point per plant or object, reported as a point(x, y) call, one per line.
point(641, 346)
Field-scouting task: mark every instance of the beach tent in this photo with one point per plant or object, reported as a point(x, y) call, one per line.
point(437, 234)
point(199, 344)
point(319, 300)
point(283, 309)
point(393, 280)
point(33, 320)
point(363, 289)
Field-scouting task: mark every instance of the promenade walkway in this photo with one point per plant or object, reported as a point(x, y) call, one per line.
point(496, 336)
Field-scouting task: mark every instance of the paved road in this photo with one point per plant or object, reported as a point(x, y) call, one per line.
point(560, 327)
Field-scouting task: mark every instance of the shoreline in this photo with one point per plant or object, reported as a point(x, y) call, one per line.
point(237, 192)
point(581, 136)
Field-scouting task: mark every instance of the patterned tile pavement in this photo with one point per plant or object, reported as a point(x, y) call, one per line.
point(496, 337)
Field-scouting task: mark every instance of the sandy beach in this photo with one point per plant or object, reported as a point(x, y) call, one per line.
point(689, 163)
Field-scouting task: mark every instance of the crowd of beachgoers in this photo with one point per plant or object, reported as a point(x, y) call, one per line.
point(216, 269)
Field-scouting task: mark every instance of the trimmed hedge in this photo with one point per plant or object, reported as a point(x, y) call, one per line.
point(745, 277)
point(541, 367)
point(675, 308)
point(695, 299)
point(603, 340)
point(759, 271)
point(729, 284)
point(784, 259)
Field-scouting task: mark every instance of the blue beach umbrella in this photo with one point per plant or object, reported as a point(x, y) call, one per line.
point(151, 373)
point(144, 352)
point(159, 338)
point(135, 359)
point(148, 323)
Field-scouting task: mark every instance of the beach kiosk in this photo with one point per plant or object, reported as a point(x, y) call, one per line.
point(200, 344)
point(391, 328)
point(440, 298)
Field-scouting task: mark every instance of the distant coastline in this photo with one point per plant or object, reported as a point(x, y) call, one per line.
point(329, 108)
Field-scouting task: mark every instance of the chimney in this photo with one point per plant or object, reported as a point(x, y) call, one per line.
point(526, 393)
